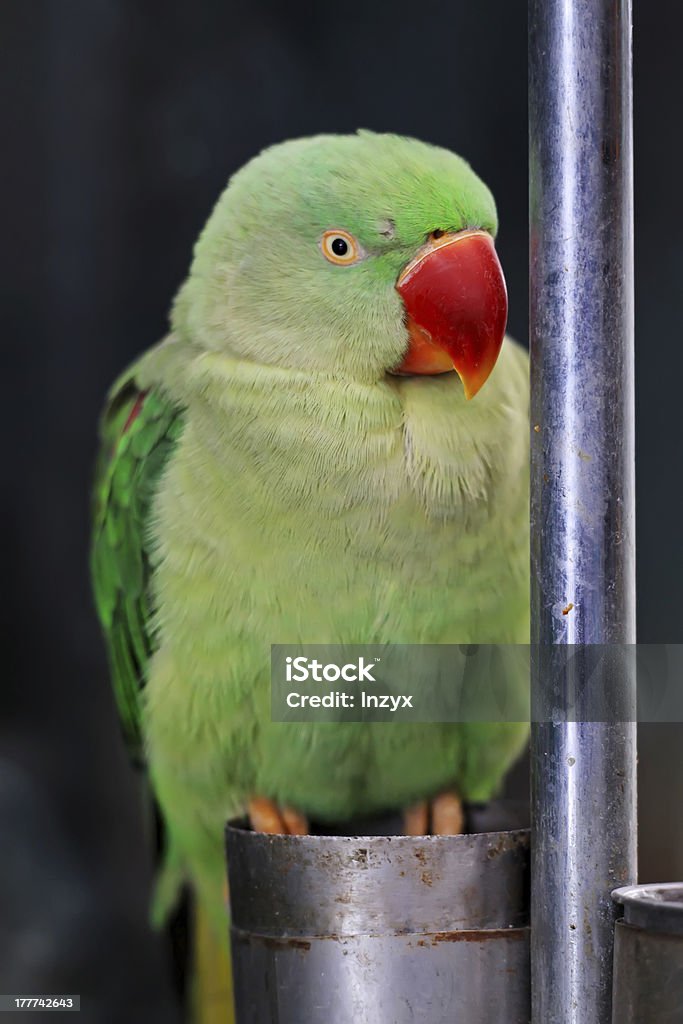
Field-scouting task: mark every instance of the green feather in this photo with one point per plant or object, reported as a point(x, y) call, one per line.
point(126, 479)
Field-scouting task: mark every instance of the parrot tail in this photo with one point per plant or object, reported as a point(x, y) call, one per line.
point(207, 975)
point(212, 994)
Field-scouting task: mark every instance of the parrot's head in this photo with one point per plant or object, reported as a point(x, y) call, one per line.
point(354, 256)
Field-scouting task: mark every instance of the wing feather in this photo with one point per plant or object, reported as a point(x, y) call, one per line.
point(138, 431)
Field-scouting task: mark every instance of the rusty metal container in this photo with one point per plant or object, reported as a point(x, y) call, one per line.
point(379, 929)
point(648, 955)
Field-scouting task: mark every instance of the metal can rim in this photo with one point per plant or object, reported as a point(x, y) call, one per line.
point(656, 906)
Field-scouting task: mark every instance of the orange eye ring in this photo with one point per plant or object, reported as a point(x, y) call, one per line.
point(339, 247)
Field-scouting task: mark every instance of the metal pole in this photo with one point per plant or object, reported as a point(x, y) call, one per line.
point(581, 329)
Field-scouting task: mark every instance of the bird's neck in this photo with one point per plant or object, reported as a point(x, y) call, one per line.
point(337, 444)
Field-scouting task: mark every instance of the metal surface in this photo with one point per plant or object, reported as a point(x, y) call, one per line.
point(658, 908)
point(648, 955)
point(333, 929)
point(581, 329)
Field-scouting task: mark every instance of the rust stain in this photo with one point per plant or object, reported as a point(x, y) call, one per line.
point(537, 428)
point(567, 608)
point(426, 878)
point(500, 847)
point(272, 943)
point(485, 935)
point(421, 856)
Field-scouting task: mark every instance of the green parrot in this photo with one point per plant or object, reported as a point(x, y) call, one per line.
point(307, 457)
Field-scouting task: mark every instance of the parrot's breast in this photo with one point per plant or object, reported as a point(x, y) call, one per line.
point(319, 512)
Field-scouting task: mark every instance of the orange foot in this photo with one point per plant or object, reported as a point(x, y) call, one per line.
point(266, 816)
point(445, 811)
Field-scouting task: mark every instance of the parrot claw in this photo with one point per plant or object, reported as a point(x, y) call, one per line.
point(416, 819)
point(266, 816)
point(446, 813)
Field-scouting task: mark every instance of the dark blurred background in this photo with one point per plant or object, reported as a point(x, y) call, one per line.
point(123, 120)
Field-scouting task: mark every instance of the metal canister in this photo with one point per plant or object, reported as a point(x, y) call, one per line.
point(379, 929)
point(648, 955)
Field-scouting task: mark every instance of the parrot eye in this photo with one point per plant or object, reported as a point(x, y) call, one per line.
point(339, 247)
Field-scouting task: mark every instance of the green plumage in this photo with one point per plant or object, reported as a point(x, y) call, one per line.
point(277, 485)
point(135, 448)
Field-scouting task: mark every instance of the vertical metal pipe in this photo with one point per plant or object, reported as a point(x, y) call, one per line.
point(581, 329)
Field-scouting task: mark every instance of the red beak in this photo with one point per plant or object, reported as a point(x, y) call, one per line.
point(456, 304)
